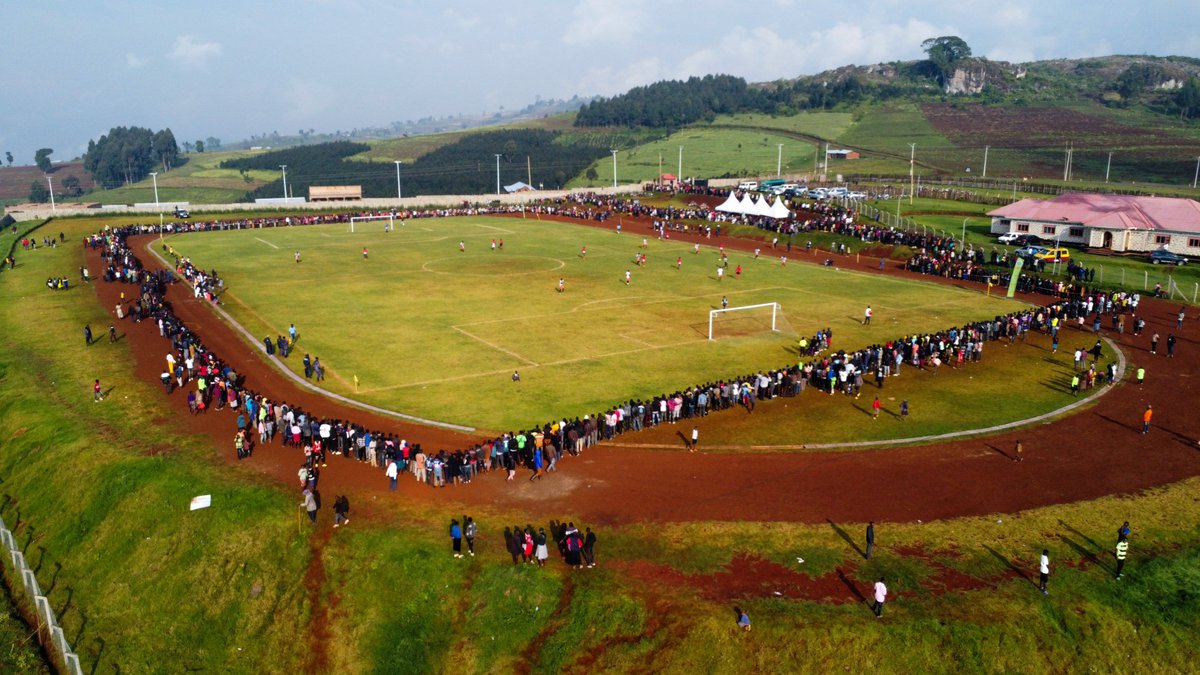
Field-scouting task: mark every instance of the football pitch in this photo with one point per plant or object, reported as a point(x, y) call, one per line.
point(435, 331)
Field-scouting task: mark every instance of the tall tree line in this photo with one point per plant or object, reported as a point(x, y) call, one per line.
point(129, 154)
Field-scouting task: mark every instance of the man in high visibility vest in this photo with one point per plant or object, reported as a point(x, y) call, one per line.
point(1122, 550)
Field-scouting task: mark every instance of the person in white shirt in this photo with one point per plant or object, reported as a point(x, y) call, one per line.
point(880, 597)
point(1044, 571)
point(392, 472)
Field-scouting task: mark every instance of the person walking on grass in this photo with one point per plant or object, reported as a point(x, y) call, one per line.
point(904, 410)
point(456, 538)
point(341, 509)
point(542, 552)
point(470, 531)
point(97, 392)
point(589, 548)
point(1121, 552)
point(875, 405)
point(310, 504)
point(880, 597)
point(743, 619)
point(870, 539)
point(1044, 571)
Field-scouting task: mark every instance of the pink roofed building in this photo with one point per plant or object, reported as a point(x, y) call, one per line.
point(1119, 223)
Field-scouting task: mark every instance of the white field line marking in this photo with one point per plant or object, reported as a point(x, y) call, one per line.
point(627, 302)
point(497, 347)
point(267, 243)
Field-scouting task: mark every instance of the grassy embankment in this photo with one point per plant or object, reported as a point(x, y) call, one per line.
point(98, 494)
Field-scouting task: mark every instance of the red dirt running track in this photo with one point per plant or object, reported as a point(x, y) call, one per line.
point(1098, 451)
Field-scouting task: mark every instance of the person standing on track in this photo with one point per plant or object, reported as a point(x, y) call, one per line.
point(695, 439)
point(1146, 419)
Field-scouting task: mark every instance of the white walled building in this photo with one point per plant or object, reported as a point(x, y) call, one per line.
point(1118, 223)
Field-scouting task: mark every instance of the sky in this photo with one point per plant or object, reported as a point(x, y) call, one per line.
point(231, 69)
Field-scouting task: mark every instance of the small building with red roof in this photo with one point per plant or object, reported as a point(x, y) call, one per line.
point(1118, 223)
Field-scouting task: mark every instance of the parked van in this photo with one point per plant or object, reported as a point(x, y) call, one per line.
point(838, 192)
point(748, 185)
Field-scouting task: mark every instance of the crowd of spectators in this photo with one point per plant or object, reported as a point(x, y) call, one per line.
point(262, 418)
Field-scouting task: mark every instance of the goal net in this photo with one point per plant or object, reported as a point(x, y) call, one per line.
point(389, 217)
point(746, 320)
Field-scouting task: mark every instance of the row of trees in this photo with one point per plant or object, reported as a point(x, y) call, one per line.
point(129, 154)
point(675, 104)
point(467, 166)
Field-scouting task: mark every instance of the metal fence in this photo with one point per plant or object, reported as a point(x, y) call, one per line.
point(50, 634)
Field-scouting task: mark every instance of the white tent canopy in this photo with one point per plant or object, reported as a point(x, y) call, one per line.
point(761, 208)
point(746, 204)
point(730, 205)
point(778, 210)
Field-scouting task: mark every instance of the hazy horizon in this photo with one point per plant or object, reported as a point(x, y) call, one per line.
point(232, 70)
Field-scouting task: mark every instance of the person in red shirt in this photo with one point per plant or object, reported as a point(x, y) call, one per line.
point(875, 408)
point(98, 393)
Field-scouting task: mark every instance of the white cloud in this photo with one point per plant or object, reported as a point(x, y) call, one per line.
point(134, 61)
point(597, 22)
point(193, 53)
point(461, 21)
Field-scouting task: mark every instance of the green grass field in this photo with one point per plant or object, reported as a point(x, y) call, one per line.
point(435, 332)
point(200, 180)
point(707, 152)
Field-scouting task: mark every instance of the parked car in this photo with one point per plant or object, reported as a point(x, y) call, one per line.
point(1164, 257)
point(1017, 239)
point(181, 213)
point(1051, 254)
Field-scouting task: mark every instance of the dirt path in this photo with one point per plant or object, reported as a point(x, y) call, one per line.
point(1090, 454)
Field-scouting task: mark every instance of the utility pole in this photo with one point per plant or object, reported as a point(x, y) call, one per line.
point(779, 161)
point(54, 208)
point(679, 171)
point(614, 154)
point(1107, 167)
point(1193, 177)
point(497, 175)
point(529, 171)
point(154, 175)
point(399, 195)
point(912, 163)
point(283, 168)
point(985, 154)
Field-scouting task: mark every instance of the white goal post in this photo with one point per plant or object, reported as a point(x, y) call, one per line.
point(776, 308)
point(390, 217)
